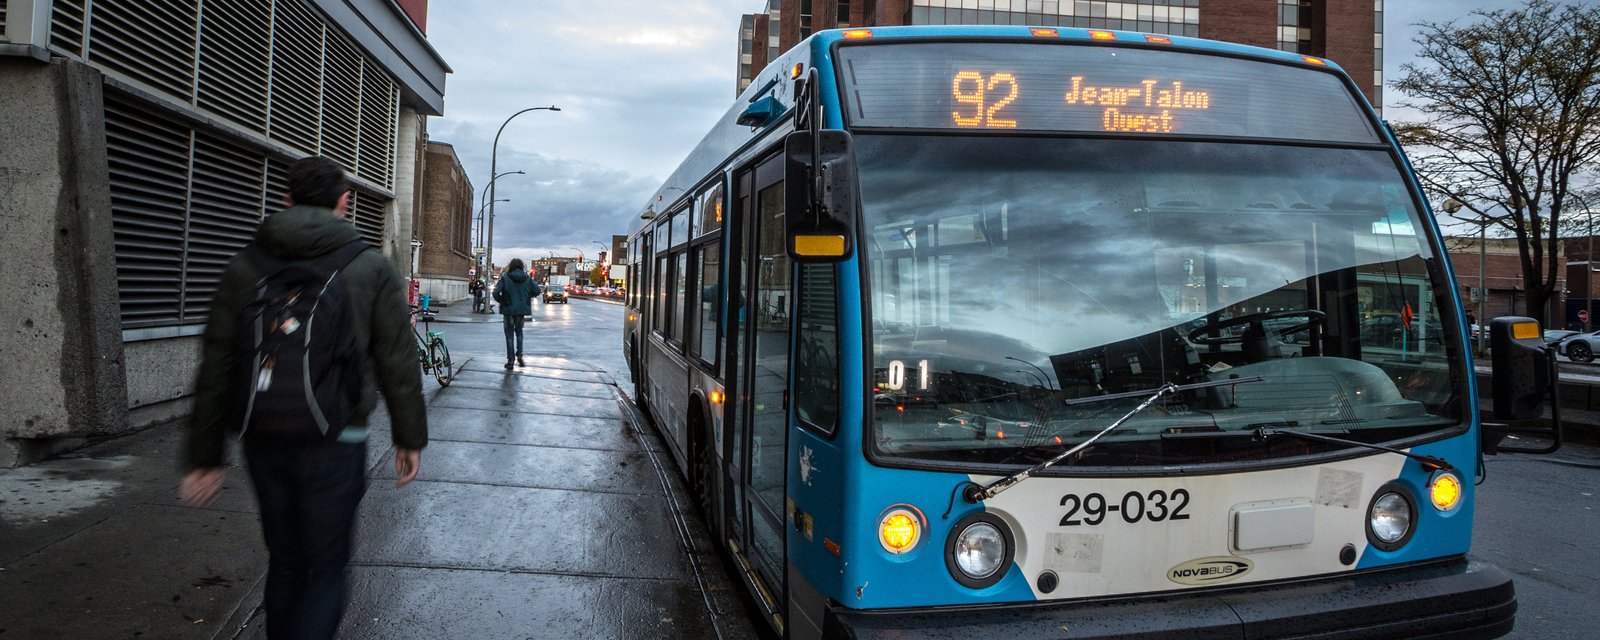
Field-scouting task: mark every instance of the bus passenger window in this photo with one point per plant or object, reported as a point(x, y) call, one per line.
point(704, 341)
point(680, 280)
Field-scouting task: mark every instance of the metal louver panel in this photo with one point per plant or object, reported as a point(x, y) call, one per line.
point(149, 166)
point(224, 210)
point(66, 27)
point(368, 212)
point(378, 124)
point(341, 100)
point(277, 185)
point(296, 76)
point(235, 50)
point(122, 35)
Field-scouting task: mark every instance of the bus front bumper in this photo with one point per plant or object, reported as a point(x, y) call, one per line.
point(1454, 599)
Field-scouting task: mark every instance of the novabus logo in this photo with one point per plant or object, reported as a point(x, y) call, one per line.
point(1213, 570)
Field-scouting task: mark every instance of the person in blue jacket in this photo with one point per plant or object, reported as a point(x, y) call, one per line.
point(515, 293)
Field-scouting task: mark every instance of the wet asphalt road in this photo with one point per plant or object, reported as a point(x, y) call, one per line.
point(541, 510)
point(1538, 517)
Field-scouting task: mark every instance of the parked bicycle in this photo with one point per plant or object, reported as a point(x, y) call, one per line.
point(431, 350)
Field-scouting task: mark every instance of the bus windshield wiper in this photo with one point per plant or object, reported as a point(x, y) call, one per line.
point(1432, 463)
point(975, 493)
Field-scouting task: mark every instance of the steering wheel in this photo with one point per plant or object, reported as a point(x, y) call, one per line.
point(1257, 326)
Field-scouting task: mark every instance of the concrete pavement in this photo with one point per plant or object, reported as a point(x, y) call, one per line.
point(544, 509)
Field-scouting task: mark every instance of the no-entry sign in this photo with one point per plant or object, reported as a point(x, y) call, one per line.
point(1583, 315)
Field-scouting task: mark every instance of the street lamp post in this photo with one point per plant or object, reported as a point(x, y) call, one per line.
point(494, 156)
point(484, 198)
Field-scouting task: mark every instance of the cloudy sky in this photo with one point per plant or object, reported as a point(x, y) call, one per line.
point(638, 83)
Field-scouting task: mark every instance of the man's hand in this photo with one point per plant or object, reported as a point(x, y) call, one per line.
point(406, 463)
point(201, 486)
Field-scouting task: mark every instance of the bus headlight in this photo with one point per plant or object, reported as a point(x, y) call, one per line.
point(1391, 517)
point(979, 550)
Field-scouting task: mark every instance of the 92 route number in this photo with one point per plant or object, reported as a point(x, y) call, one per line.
point(1155, 506)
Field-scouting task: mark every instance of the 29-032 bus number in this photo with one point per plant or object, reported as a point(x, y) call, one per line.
point(1155, 506)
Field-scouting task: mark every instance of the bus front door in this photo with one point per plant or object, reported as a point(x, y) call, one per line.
point(761, 370)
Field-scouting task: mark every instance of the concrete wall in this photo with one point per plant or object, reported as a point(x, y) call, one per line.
point(165, 378)
point(60, 334)
point(444, 290)
point(407, 178)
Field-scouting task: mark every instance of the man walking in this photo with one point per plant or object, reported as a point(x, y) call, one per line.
point(476, 289)
point(308, 482)
point(515, 294)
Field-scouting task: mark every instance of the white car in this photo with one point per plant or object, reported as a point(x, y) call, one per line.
point(1580, 347)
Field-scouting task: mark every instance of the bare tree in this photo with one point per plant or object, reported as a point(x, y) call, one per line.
point(1511, 123)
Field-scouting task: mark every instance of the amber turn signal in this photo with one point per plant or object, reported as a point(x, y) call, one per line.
point(899, 531)
point(1445, 491)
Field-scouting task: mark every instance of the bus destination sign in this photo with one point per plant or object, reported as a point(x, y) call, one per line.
point(1147, 106)
point(1088, 89)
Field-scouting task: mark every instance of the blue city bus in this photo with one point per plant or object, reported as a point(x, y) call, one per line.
point(1052, 332)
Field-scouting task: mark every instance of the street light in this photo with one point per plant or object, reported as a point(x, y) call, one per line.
point(494, 157)
point(1451, 206)
point(478, 243)
point(484, 198)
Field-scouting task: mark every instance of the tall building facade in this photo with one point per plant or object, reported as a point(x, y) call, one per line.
point(1349, 32)
point(145, 141)
point(446, 226)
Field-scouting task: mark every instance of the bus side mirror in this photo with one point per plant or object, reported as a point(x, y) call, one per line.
point(820, 192)
point(1524, 374)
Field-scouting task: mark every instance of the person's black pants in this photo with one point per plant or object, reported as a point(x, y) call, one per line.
point(513, 328)
point(308, 498)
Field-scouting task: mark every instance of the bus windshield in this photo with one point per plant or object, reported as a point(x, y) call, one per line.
point(1009, 276)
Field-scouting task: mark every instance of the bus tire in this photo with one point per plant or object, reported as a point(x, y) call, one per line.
point(702, 468)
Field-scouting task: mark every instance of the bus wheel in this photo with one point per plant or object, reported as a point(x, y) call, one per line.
point(703, 474)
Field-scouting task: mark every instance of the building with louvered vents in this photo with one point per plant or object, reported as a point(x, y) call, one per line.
point(144, 142)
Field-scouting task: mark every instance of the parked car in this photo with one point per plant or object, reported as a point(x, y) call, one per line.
point(554, 294)
point(1555, 336)
point(1580, 347)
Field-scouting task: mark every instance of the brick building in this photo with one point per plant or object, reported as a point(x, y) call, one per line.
point(445, 257)
point(1502, 278)
point(1349, 32)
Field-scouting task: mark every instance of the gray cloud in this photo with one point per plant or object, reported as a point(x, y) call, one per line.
point(639, 83)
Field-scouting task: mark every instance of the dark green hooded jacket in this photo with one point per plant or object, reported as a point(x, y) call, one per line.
point(515, 293)
point(382, 328)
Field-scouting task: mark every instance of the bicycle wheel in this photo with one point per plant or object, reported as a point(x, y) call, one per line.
point(439, 355)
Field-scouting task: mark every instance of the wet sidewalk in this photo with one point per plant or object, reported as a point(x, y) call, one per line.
point(543, 509)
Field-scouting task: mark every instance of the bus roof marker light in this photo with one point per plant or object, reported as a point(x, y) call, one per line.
point(1316, 61)
point(796, 70)
point(856, 34)
point(1039, 32)
point(1156, 39)
point(1098, 34)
